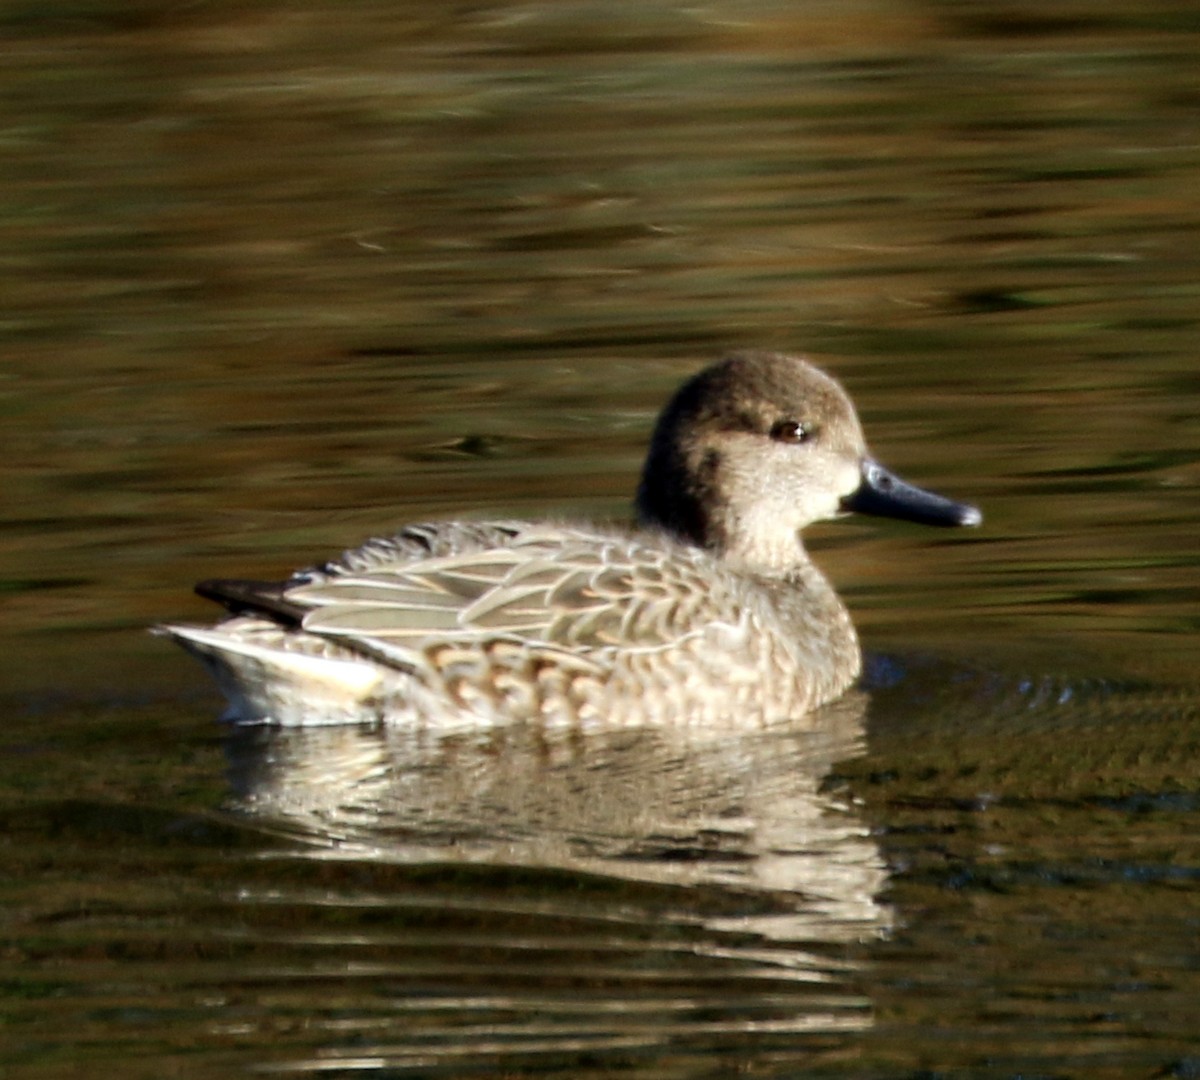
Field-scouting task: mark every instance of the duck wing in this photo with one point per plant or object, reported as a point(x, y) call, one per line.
point(268, 599)
point(548, 590)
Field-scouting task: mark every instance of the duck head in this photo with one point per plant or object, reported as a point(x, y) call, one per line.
point(755, 448)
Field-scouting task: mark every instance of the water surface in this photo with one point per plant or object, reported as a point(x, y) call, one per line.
point(283, 276)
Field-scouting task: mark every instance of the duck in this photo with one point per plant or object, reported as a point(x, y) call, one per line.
point(705, 610)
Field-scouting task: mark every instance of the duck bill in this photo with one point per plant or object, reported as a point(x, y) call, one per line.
point(884, 494)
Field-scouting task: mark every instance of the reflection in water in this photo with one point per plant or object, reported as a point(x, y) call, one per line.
point(780, 875)
point(654, 805)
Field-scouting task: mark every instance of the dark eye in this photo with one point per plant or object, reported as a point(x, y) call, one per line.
point(791, 431)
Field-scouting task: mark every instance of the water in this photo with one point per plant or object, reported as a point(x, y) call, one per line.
point(279, 277)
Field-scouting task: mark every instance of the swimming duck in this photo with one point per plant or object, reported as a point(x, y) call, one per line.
point(708, 611)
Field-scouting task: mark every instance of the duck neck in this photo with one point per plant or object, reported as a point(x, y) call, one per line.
point(807, 602)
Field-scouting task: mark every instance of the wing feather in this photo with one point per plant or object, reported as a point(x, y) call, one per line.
point(543, 590)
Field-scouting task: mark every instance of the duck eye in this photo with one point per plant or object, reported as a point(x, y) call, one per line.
point(791, 431)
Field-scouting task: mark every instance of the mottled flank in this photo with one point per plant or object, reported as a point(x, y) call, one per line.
point(708, 612)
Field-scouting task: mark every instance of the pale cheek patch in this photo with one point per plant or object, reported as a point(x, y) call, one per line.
point(849, 475)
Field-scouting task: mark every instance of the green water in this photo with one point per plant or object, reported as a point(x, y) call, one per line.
point(282, 276)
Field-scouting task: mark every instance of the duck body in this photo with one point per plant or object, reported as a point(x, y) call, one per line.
point(500, 621)
point(707, 612)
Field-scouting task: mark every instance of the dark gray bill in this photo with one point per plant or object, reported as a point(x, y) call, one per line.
point(885, 494)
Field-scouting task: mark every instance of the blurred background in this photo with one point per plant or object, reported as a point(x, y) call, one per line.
point(282, 276)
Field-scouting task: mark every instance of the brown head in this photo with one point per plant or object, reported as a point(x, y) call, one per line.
point(753, 449)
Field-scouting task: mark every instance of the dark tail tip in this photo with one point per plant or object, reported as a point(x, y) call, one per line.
point(241, 597)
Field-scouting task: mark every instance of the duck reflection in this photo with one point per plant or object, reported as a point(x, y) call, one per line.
point(525, 894)
point(741, 811)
